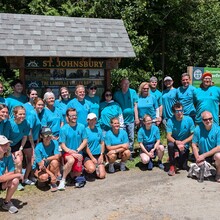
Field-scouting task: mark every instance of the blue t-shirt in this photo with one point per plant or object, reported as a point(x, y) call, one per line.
point(108, 110)
point(62, 106)
point(6, 163)
point(112, 139)
point(28, 107)
point(207, 99)
point(180, 130)
point(169, 98)
point(148, 136)
point(82, 109)
point(94, 104)
point(15, 132)
point(3, 101)
point(158, 95)
point(15, 101)
point(34, 121)
point(72, 136)
point(206, 140)
point(53, 119)
point(126, 102)
point(147, 105)
point(2, 124)
point(94, 140)
point(185, 97)
point(43, 152)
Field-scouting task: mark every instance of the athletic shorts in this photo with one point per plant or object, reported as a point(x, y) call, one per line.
point(86, 157)
point(77, 166)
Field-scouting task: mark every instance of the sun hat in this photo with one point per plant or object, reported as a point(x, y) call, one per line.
point(4, 140)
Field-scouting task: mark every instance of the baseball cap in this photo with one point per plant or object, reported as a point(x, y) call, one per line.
point(167, 78)
point(46, 130)
point(90, 116)
point(206, 74)
point(4, 140)
point(153, 79)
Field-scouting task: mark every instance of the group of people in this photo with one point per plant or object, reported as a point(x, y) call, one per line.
point(60, 141)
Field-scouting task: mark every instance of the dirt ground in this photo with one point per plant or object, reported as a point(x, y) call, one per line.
point(133, 194)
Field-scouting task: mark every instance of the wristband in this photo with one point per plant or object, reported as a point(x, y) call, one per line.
point(77, 151)
point(21, 148)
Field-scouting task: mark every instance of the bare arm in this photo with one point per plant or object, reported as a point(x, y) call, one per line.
point(10, 176)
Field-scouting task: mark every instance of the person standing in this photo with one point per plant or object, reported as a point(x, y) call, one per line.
point(207, 97)
point(206, 142)
point(180, 130)
point(185, 96)
point(127, 99)
point(169, 97)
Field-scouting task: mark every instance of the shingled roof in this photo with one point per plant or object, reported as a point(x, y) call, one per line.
point(37, 35)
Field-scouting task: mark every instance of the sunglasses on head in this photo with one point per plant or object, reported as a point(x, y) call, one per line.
point(93, 88)
point(207, 119)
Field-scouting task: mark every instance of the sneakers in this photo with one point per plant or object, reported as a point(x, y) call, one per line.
point(122, 166)
point(59, 178)
point(61, 186)
point(29, 182)
point(111, 168)
point(150, 165)
point(20, 187)
point(53, 187)
point(171, 171)
point(131, 158)
point(9, 206)
point(160, 165)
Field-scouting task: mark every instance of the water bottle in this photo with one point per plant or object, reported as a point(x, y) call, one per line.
point(201, 173)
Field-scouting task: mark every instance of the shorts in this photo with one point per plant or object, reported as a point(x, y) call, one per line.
point(16, 147)
point(86, 157)
point(1, 189)
point(149, 147)
point(27, 145)
point(77, 166)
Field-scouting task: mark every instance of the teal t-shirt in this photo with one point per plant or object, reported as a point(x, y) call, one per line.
point(15, 132)
point(94, 104)
point(158, 95)
point(207, 99)
point(82, 109)
point(62, 106)
point(52, 119)
point(185, 97)
point(6, 164)
point(147, 105)
point(108, 110)
point(112, 139)
point(126, 102)
point(169, 98)
point(206, 140)
point(148, 136)
point(72, 136)
point(13, 101)
point(180, 130)
point(94, 140)
point(43, 152)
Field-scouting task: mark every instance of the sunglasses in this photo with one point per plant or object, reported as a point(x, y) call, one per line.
point(108, 94)
point(47, 135)
point(145, 88)
point(207, 119)
point(93, 88)
point(72, 116)
point(178, 111)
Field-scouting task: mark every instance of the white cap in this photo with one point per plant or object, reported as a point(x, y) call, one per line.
point(91, 116)
point(167, 78)
point(4, 140)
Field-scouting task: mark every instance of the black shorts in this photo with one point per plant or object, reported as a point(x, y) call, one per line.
point(1, 189)
point(86, 157)
point(18, 145)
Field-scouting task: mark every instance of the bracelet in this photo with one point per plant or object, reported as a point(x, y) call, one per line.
point(21, 148)
point(101, 153)
point(77, 151)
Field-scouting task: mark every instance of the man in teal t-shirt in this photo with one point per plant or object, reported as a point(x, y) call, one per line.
point(206, 142)
point(127, 99)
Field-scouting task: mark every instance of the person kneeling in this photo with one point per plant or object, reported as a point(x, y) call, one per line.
point(149, 141)
point(117, 144)
point(9, 179)
point(47, 157)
